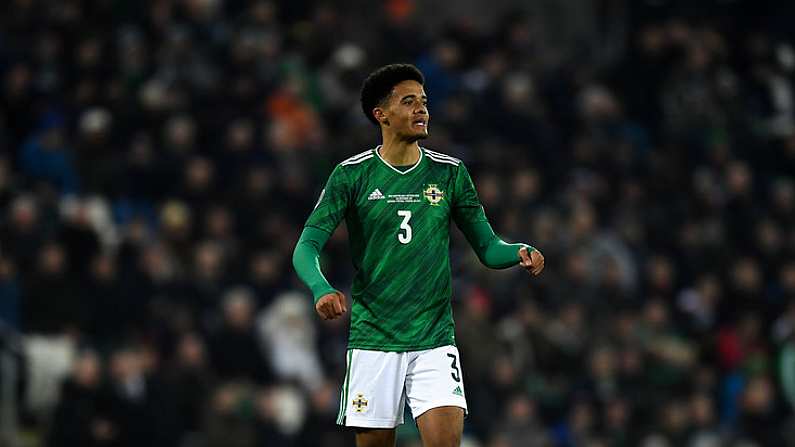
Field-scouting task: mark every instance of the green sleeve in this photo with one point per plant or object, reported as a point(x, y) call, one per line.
point(787, 372)
point(470, 218)
point(307, 264)
point(331, 207)
point(333, 202)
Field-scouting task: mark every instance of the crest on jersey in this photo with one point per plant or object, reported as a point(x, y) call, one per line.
point(433, 194)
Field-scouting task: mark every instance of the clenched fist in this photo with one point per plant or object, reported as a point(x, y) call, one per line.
point(331, 306)
point(532, 262)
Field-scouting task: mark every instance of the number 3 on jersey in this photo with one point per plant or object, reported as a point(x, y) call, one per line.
point(404, 235)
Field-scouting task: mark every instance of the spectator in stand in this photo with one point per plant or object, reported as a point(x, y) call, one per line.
point(235, 350)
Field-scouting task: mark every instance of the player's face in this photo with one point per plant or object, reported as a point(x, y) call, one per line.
point(407, 111)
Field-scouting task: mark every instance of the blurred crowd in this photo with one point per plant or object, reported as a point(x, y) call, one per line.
point(158, 160)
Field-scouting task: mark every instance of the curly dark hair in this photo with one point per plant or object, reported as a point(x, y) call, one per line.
point(378, 85)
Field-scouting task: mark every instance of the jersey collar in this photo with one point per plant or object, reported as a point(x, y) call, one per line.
point(419, 160)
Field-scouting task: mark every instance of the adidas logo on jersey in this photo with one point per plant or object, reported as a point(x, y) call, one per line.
point(457, 391)
point(375, 195)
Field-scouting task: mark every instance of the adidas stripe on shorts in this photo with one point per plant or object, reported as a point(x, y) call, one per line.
point(378, 384)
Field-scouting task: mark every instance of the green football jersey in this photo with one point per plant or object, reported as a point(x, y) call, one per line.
point(398, 225)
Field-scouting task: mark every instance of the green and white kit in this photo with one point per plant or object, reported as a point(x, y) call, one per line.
point(398, 221)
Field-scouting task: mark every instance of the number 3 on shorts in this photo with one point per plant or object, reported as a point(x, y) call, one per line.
point(456, 373)
point(404, 235)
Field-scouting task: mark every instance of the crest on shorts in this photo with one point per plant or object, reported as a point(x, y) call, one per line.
point(359, 403)
point(433, 194)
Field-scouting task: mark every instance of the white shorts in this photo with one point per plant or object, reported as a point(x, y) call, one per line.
point(378, 384)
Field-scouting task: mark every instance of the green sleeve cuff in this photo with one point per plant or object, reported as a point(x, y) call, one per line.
point(492, 251)
point(306, 261)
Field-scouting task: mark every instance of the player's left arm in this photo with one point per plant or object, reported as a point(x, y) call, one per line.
point(492, 251)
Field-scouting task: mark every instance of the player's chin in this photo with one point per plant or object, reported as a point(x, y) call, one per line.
point(420, 135)
point(413, 135)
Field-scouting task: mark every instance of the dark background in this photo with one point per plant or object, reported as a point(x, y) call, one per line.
point(158, 159)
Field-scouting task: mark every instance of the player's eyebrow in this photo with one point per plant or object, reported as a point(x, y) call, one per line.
point(412, 96)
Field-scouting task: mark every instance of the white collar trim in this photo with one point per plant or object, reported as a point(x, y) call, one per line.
point(419, 160)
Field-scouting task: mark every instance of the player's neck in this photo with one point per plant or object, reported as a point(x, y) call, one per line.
point(399, 153)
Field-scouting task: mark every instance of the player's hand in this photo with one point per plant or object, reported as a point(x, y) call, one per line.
point(331, 306)
point(532, 262)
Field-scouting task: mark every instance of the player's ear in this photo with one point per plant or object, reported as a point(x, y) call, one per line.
point(379, 114)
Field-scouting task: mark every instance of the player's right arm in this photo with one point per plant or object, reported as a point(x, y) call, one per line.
point(329, 211)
